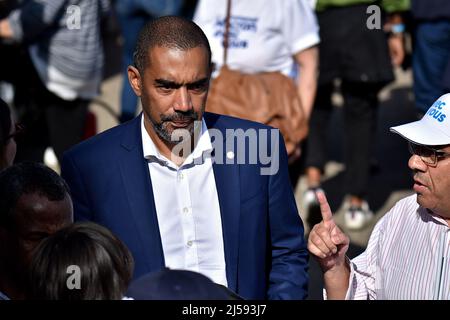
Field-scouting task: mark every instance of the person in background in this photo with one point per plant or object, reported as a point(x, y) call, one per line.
point(408, 253)
point(55, 63)
point(357, 51)
point(431, 51)
point(34, 203)
point(83, 261)
point(265, 36)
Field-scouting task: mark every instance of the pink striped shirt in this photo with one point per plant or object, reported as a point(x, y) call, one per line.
point(408, 257)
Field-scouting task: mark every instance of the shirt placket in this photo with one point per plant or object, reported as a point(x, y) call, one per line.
point(443, 260)
point(187, 220)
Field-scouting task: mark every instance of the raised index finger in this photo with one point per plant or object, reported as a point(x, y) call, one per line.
point(325, 210)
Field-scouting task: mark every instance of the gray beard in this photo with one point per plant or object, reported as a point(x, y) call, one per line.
point(162, 132)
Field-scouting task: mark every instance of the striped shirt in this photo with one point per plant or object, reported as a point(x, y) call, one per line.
point(64, 40)
point(408, 257)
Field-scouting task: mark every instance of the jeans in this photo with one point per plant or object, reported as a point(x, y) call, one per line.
point(431, 62)
point(360, 116)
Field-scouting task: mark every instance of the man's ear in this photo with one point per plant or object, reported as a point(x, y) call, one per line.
point(134, 77)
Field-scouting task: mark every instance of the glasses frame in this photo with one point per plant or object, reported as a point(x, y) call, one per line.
point(434, 154)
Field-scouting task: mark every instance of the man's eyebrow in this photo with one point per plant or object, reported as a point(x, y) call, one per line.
point(167, 83)
point(198, 82)
point(173, 84)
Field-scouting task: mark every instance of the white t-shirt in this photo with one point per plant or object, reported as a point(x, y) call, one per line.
point(264, 34)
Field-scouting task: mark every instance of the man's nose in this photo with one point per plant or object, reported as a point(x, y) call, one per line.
point(183, 100)
point(416, 163)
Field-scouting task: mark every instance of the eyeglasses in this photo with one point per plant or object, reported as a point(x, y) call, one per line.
point(428, 155)
point(18, 130)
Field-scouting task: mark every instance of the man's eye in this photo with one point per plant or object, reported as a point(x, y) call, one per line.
point(197, 86)
point(165, 88)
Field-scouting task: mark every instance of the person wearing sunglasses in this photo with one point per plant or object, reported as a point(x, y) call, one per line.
point(7, 133)
point(408, 255)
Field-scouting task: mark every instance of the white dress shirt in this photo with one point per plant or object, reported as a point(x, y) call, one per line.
point(187, 207)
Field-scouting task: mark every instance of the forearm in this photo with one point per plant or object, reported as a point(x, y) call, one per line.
point(307, 80)
point(336, 281)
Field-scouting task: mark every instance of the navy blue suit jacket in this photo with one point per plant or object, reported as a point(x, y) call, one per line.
point(265, 252)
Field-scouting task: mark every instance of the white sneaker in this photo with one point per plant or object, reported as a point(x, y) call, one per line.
point(358, 217)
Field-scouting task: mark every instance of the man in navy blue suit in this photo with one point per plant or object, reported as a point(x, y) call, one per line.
point(187, 189)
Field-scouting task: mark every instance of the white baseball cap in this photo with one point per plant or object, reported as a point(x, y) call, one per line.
point(433, 129)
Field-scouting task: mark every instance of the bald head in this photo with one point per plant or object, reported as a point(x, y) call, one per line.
point(169, 32)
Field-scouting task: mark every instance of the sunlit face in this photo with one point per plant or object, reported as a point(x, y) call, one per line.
point(432, 184)
point(173, 90)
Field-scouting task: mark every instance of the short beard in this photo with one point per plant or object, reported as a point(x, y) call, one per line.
point(161, 127)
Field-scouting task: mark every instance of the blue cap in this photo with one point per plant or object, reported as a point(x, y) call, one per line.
point(170, 284)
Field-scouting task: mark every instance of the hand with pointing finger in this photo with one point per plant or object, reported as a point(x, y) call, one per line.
point(329, 245)
point(326, 241)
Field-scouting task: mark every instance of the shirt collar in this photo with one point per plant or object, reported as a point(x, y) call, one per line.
point(202, 149)
point(427, 214)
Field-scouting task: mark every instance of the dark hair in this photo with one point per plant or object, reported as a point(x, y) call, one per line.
point(168, 32)
point(5, 125)
point(104, 262)
point(168, 284)
point(27, 178)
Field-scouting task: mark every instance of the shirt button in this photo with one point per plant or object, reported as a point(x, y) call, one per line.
point(185, 209)
point(189, 243)
point(181, 176)
point(230, 154)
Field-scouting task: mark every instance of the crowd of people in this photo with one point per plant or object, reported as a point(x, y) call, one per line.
point(176, 202)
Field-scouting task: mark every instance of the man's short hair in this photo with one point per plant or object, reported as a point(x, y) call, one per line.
point(168, 32)
point(28, 178)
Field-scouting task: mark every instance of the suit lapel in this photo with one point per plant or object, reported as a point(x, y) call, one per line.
point(228, 190)
point(139, 192)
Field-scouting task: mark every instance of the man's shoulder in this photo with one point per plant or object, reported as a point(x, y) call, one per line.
point(102, 142)
point(407, 204)
point(403, 209)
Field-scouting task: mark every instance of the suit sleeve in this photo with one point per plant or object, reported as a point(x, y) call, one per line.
point(73, 177)
point(289, 271)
